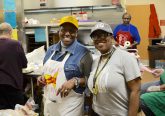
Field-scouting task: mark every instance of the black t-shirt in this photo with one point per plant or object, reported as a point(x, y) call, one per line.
point(12, 60)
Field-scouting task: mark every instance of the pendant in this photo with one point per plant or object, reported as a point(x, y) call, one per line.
point(95, 90)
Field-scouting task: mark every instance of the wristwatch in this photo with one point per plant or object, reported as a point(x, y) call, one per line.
point(77, 82)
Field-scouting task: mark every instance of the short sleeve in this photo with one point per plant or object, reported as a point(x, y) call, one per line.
point(86, 64)
point(130, 67)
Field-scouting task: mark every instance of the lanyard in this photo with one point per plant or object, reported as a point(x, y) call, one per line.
point(97, 73)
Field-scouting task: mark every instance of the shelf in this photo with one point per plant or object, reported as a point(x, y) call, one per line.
point(51, 33)
point(44, 10)
point(81, 24)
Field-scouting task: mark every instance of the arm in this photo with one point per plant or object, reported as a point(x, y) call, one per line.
point(22, 55)
point(134, 44)
point(133, 81)
point(134, 87)
point(162, 87)
point(115, 31)
point(136, 36)
point(41, 80)
point(155, 88)
point(157, 72)
point(85, 68)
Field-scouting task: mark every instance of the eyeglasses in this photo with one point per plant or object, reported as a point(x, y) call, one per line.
point(103, 40)
point(100, 36)
point(71, 31)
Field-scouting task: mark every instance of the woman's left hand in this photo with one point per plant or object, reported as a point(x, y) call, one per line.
point(157, 72)
point(66, 88)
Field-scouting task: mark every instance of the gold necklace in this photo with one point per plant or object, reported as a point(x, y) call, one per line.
point(97, 73)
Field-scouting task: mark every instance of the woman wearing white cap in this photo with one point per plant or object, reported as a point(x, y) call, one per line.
point(115, 77)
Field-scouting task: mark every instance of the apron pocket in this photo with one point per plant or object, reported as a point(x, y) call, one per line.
point(51, 92)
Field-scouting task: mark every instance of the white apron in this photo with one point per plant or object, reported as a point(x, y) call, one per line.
point(71, 105)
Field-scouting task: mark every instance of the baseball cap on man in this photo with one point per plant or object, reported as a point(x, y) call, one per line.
point(69, 19)
point(102, 26)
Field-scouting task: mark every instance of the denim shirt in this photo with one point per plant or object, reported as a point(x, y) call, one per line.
point(72, 65)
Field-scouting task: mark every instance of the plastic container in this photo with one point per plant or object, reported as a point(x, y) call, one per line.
point(83, 16)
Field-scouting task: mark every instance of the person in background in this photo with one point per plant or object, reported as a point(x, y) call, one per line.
point(115, 77)
point(69, 62)
point(12, 60)
point(127, 32)
point(154, 84)
point(153, 94)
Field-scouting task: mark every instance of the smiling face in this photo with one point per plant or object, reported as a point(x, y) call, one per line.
point(68, 33)
point(102, 41)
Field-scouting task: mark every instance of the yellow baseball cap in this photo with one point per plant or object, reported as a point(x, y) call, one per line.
point(69, 19)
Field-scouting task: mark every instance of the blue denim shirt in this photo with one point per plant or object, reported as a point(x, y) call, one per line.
point(72, 65)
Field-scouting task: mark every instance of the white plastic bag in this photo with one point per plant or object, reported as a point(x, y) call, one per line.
point(36, 56)
point(35, 60)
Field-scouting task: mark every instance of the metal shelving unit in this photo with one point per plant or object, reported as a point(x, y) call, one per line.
point(51, 34)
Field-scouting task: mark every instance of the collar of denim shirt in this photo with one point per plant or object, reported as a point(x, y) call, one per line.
point(70, 49)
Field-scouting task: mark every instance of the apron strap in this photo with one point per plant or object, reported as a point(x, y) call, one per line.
point(52, 54)
point(65, 58)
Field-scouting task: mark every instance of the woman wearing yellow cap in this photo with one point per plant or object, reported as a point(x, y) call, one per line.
point(67, 65)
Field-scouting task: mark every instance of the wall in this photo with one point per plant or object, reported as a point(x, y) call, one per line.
point(140, 12)
point(35, 4)
point(140, 15)
point(72, 3)
point(111, 16)
point(1, 12)
point(140, 20)
point(159, 5)
point(19, 18)
point(53, 11)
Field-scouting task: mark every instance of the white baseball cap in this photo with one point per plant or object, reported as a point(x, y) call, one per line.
point(102, 26)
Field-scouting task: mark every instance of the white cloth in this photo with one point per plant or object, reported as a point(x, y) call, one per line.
point(153, 88)
point(113, 96)
point(72, 105)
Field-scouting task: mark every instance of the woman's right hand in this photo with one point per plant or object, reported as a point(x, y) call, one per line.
point(41, 81)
